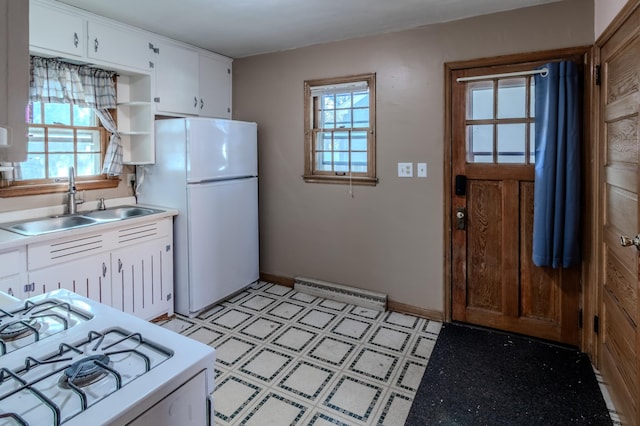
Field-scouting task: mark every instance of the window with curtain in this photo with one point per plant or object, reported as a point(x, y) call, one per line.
point(70, 121)
point(340, 130)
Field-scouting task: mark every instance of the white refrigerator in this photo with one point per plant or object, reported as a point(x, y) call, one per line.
point(208, 169)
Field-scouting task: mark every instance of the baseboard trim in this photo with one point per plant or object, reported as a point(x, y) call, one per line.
point(392, 305)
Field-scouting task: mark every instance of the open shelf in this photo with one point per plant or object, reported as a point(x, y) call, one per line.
point(135, 119)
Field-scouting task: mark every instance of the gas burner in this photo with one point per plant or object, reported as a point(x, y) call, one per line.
point(85, 371)
point(18, 328)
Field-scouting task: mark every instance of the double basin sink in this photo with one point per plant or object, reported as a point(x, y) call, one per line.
point(46, 225)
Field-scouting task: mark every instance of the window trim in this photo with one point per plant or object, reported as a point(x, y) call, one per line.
point(310, 175)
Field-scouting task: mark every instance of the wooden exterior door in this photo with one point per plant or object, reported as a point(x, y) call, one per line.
point(619, 345)
point(494, 281)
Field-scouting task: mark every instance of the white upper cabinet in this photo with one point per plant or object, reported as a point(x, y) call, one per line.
point(56, 31)
point(118, 45)
point(177, 85)
point(215, 86)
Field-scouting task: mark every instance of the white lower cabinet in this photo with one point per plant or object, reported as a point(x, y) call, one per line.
point(13, 271)
point(89, 277)
point(129, 268)
point(142, 279)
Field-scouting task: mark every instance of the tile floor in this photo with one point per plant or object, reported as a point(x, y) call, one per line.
point(286, 358)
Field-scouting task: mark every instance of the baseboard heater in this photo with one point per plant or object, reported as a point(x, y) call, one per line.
point(341, 293)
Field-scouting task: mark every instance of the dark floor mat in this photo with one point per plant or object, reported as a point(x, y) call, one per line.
point(482, 377)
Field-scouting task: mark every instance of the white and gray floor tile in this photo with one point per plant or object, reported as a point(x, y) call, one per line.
point(289, 358)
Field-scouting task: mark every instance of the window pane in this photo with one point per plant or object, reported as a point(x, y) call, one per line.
point(343, 118)
point(83, 116)
point(36, 112)
point(33, 168)
point(328, 119)
point(532, 143)
point(359, 162)
point(480, 100)
point(59, 165)
point(343, 100)
point(36, 139)
point(341, 161)
point(57, 114)
point(61, 140)
point(323, 141)
point(361, 117)
point(512, 98)
point(88, 141)
point(361, 99)
point(532, 98)
point(328, 102)
point(341, 141)
point(88, 165)
point(480, 144)
point(511, 143)
point(323, 161)
point(358, 141)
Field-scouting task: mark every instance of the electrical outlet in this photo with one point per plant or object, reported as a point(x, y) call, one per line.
point(405, 169)
point(131, 178)
point(422, 170)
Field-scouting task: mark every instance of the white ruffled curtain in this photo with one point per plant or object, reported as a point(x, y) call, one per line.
point(56, 81)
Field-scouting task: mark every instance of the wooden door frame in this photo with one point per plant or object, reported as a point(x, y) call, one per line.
point(588, 276)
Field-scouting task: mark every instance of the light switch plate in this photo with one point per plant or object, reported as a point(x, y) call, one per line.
point(405, 169)
point(422, 170)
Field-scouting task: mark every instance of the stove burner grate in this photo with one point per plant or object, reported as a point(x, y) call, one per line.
point(85, 371)
point(20, 328)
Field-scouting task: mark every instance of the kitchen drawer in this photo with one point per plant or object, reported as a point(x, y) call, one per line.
point(67, 249)
point(141, 232)
point(13, 262)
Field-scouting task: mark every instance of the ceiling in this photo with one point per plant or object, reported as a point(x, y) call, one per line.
point(239, 28)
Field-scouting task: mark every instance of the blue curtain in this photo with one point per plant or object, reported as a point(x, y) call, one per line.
point(556, 216)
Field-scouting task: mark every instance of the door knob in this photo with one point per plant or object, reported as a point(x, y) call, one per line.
point(627, 241)
point(460, 218)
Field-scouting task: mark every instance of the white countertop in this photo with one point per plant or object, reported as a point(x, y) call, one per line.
point(10, 240)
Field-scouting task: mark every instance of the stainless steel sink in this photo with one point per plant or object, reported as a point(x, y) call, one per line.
point(51, 224)
point(119, 213)
point(63, 223)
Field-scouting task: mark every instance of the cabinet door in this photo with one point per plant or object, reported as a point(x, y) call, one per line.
point(56, 31)
point(13, 272)
point(14, 285)
point(176, 80)
point(215, 87)
point(142, 281)
point(118, 45)
point(89, 277)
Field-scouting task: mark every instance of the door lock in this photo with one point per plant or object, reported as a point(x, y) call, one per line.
point(461, 216)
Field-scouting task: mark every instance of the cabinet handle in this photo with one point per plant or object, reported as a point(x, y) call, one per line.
point(195, 101)
point(104, 270)
point(95, 44)
point(76, 40)
point(29, 287)
point(10, 291)
point(119, 265)
point(201, 103)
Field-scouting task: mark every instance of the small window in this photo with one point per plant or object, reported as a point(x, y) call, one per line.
point(340, 130)
point(500, 121)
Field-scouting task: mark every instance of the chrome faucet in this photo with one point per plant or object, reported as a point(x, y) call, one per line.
point(72, 202)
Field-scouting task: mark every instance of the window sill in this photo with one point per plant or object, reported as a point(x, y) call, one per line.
point(52, 188)
point(341, 180)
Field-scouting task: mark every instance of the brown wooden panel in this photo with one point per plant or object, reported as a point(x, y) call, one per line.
point(622, 146)
point(622, 286)
point(621, 210)
point(484, 234)
point(625, 255)
point(623, 176)
point(619, 340)
point(539, 286)
point(622, 77)
point(622, 399)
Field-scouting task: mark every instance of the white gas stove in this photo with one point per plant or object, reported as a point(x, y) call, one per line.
point(67, 360)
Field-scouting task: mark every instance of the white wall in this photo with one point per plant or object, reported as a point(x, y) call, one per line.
point(604, 12)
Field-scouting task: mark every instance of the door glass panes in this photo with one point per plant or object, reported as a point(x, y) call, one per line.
point(500, 121)
point(512, 99)
point(512, 143)
point(480, 100)
point(480, 144)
